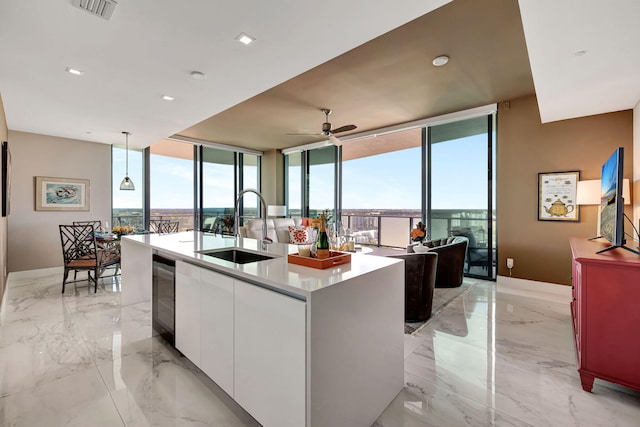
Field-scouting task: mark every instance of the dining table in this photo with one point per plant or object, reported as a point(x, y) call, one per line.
point(107, 241)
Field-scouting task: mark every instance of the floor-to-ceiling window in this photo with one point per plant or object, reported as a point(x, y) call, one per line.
point(461, 193)
point(383, 184)
point(224, 174)
point(293, 184)
point(321, 182)
point(127, 205)
point(250, 179)
point(218, 187)
point(188, 182)
point(171, 183)
point(382, 187)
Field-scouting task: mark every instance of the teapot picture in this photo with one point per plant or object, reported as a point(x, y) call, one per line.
point(559, 209)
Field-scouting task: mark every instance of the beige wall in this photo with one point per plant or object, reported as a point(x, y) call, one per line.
point(34, 239)
point(272, 178)
point(4, 220)
point(540, 249)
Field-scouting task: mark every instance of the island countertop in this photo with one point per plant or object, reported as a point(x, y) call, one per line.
point(276, 273)
point(253, 332)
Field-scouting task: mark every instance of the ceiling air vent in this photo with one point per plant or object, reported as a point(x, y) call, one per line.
point(101, 8)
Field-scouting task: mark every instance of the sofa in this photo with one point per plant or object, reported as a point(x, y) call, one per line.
point(277, 228)
point(419, 282)
point(451, 252)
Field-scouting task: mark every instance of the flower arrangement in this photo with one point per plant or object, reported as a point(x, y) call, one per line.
point(419, 233)
point(123, 229)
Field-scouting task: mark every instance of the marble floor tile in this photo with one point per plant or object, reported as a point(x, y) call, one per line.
point(514, 355)
point(160, 388)
point(80, 399)
point(40, 349)
point(487, 359)
point(423, 403)
point(113, 332)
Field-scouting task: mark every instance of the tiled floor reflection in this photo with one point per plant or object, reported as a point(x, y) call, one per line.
point(489, 358)
point(498, 359)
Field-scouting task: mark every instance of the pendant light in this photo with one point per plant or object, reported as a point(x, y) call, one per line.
point(126, 183)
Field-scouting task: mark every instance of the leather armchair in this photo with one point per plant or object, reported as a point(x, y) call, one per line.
point(451, 252)
point(419, 282)
point(477, 256)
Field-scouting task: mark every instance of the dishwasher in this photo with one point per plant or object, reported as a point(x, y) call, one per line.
point(164, 297)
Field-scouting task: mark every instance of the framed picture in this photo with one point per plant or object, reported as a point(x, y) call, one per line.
point(61, 194)
point(557, 196)
point(6, 177)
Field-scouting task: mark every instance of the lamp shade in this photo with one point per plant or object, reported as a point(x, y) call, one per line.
point(590, 191)
point(126, 183)
point(276, 210)
point(626, 191)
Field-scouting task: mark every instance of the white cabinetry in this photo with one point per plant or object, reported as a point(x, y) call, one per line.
point(270, 356)
point(204, 321)
point(135, 263)
point(216, 313)
point(188, 311)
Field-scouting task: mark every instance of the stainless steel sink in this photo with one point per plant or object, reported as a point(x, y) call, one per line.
point(237, 256)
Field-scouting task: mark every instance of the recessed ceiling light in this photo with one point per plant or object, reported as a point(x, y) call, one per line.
point(439, 61)
point(168, 98)
point(245, 38)
point(74, 71)
point(198, 75)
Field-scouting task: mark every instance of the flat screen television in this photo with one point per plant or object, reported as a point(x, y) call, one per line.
point(611, 201)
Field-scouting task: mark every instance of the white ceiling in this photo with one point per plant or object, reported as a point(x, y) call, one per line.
point(605, 78)
point(149, 47)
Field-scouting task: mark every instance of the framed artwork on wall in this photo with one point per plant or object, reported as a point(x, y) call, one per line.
point(6, 177)
point(61, 194)
point(557, 196)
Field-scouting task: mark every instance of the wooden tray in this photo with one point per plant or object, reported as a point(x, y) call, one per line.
point(335, 259)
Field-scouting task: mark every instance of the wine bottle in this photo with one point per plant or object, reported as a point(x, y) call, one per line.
point(322, 246)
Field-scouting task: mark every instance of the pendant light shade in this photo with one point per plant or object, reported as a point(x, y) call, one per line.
point(126, 183)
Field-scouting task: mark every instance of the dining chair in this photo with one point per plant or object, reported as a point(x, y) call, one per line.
point(80, 253)
point(97, 224)
point(156, 224)
point(169, 227)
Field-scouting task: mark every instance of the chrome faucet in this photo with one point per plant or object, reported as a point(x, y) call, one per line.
point(263, 213)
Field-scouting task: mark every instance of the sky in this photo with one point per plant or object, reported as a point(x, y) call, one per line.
point(385, 181)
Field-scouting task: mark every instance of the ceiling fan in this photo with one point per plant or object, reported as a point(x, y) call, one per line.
point(328, 131)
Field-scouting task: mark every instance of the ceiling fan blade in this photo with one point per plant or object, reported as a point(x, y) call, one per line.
point(335, 140)
point(304, 134)
point(344, 128)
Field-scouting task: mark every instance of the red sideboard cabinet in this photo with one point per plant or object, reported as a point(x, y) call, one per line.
point(606, 313)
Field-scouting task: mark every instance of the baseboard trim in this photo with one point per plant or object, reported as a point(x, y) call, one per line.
point(40, 272)
point(534, 289)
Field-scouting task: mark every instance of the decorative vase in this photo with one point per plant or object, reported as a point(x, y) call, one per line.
point(420, 248)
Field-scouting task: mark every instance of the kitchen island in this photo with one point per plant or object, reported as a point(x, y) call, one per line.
point(293, 345)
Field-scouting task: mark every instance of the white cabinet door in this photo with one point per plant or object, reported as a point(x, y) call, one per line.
point(187, 332)
point(135, 264)
point(270, 356)
point(216, 313)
